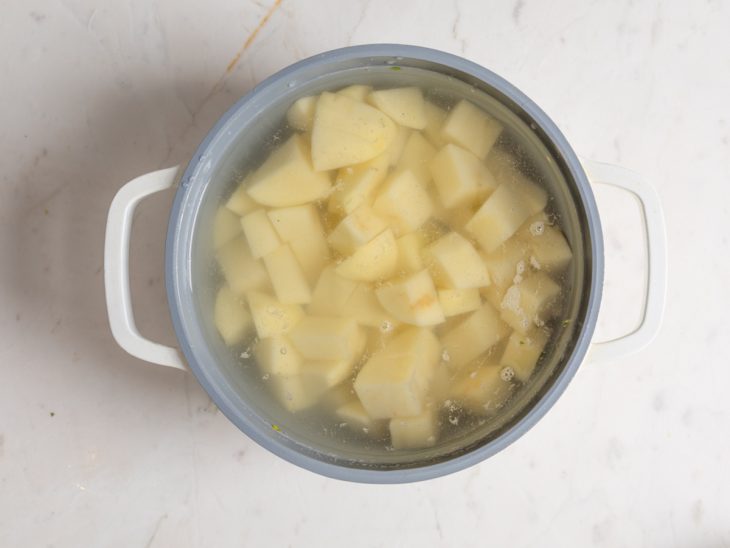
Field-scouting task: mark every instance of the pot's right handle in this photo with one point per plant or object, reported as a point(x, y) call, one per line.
point(652, 219)
point(116, 269)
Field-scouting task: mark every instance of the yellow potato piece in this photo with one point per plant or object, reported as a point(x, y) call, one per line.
point(412, 300)
point(356, 185)
point(460, 177)
point(287, 277)
point(404, 105)
point(403, 203)
point(331, 294)
point(481, 330)
point(529, 302)
point(241, 270)
point(357, 419)
point(226, 226)
point(435, 117)
point(523, 351)
point(277, 356)
point(363, 306)
point(356, 91)
point(347, 131)
point(240, 202)
point(328, 338)
point(481, 389)
point(260, 234)
point(272, 317)
point(459, 301)
point(231, 316)
point(355, 230)
point(376, 260)
point(301, 114)
point(414, 432)
point(416, 157)
point(410, 248)
point(470, 127)
point(395, 151)
point(455, 264)
point(394, 382)
point(287, 178)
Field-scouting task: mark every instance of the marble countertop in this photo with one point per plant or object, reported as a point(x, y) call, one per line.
point(100, 449)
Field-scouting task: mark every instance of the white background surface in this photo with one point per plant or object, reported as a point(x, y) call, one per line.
point(99, 449)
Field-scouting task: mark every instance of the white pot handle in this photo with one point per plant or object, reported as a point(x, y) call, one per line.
point(652, 219)
point(116, 268)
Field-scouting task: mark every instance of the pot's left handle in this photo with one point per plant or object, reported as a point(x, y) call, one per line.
point(116, 269)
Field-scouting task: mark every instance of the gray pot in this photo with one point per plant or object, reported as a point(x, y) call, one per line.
point(238, 138)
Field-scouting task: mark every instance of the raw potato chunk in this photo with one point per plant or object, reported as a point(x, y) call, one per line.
point(226, 226)
point(481, 390)
point(355, 230)
point(357, 92)
point(435, 117)
point(410, 247)
point(480, 331)
point(287, 277)
point(301, 114)
point(272, 317)
point(529, 303)
point(417, 155)
point(240, 202)
point(455, 264)
point(403, 203)
point(321, 375)
point(355, 185)
point(503, 213)
point(412, 300)
point(301, 228)
point(241, 271)
point(286, 178)
point(523, 351)
point(414, 432)
point(338, 396)
point(375, 260)
point(325, 338)
point(331, 294)
point(471, 128)
point(507, 262)
point(395, 151)
point(363, 306)
point(231, 316)
point(276, 356)
point(458, 301)
point(353, 413)
point(261, 236)
point(460, 177)
point(550, 250)
point(347, 132)
point(403, 105)
point(395, 381)
point(293, 393)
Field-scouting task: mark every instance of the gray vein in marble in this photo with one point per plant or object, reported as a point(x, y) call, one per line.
point(360, 18)
point(455, 27)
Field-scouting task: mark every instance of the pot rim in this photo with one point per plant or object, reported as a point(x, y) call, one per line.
point(175, 248)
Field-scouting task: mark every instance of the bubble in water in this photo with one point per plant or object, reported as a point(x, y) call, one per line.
point(291, 84)
point(454, 420)
point(534, 263)
point(537, 228)
point(473, 375)
point(283, 350)
point(246, 354)
point(507, 374)
point(265, 376)
point(386, 327)
point(445, 356)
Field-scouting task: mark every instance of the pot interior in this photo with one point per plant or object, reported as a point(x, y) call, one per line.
point(241, 141)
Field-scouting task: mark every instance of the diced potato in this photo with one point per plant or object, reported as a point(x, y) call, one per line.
point(356, 185)
point(493, 295)
point(503, 213)
point(301, 114)
point(440, 389)
point(460, 177)
point(481, 330)
point(339, 395)
point(347, 131)
point(395, 151)
point(395, 381)
point(231, 316)
point(403, 105)
point(353, 413)
point(261, 236)
point(277, 356)
point(240, 202)
point(414, 432)
point(529, 303)
point(412, 300)
point(376, 260)
point(417, 155)
point(506, 262)
point(331, 294)
point(357, 92)
point(287, 178)
point(272, 317)
point(365, 308)
point(403, 203)
point(355, 230)
point(435, 117)
point(522, 352)
point(454, 263)
point(293, 393)
point(470, 127)
point(287, 277)
point(328, 338)
point(301, 228)
point(481, 389)
point(458, 301)
point(226, 226)
point(550, 250)
point(321, 375)
point(410, 247)
point(241, 271)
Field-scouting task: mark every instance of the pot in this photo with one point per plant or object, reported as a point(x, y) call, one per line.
point(237, 138)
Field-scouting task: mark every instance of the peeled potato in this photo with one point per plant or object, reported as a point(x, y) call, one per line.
point(347, 131)
point(376, 260)
point(412, 300)
point(403, 105)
